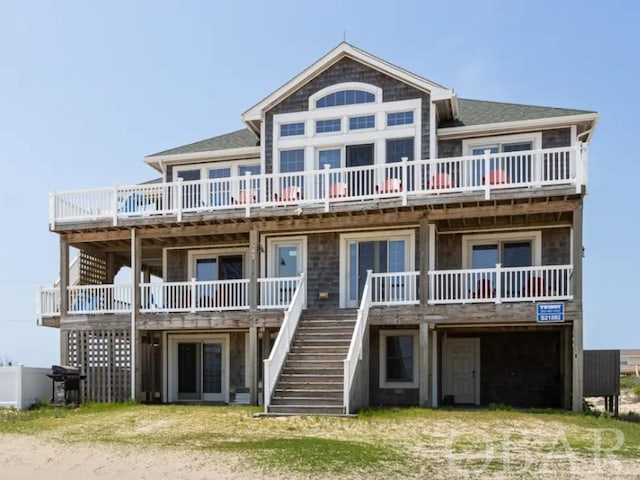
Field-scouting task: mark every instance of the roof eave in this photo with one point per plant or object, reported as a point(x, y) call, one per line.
point(513, 126)
point(226, 154)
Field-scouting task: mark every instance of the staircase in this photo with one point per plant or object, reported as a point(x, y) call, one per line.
point(312, 377)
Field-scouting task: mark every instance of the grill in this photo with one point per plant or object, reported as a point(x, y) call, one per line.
point(65, 387)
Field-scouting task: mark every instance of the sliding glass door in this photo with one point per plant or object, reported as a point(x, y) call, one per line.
point(201, 370)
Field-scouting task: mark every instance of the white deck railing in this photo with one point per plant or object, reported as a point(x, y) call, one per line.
point(483, 174)
point(496, 285)
point(47, 303)
point(397, 288)
point(273, 365)
point(98, 299)
point(354, 356)
point(195, 296)
point(277, 292)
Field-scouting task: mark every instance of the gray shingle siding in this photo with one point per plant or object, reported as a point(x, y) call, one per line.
point(347, 70)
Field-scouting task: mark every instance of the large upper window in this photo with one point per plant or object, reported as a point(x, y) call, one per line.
point(291, 129)
point(399, 118)
point(291, 161)
point(345, 97)
point(399, 149)
point(325, 126)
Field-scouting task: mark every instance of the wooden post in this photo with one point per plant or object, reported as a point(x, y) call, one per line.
point(424, 260)
point(253, 365)
point(64, 278)
point(424, 364)
point(254, 249)
point(434, 368)
point(567, 368)
point(577, 387)
point(112, 270)
point(136, 266)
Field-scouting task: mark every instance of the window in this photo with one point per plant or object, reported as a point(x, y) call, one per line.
point(220, 189)
point(325, 126)
point(399, 118)
point(512, 249)
point(291, 161)
point(345, 97)
point(291, 129)
point(358, 123)
point(398, 359)
point(398, 149)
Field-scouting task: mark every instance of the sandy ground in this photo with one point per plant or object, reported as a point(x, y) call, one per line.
point(31, 458)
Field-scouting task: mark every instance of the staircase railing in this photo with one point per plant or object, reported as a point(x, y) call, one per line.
point(273, 365)
point(354, 357)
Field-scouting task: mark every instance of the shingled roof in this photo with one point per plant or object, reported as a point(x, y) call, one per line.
point(238, 139)
point(482, 112)
point(470, 112)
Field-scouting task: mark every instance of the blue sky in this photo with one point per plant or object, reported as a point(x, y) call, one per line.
point(88, 88)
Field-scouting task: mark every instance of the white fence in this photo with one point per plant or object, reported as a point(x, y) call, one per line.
point(22, 387)
point(273, 365)
point(483, 173)
point(98, 299)
point(195, 296)
point(398, 288)
point(496, 285)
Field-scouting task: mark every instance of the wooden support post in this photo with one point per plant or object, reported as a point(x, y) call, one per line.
point(112, 268)
point(578, 381)
point(136, 266)
point(253, 365)
point(424, 260)
point(424, 365)
point(254, 250)
point(64, 278)
point(434, 368)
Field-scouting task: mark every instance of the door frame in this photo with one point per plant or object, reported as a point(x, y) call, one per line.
point(446, 379)
point(171, 373)
point(376, 235)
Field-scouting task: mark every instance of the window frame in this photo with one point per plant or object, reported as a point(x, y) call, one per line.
point(383, 383)
point(338, 87)
point(470, 144)
point(358, 117)
point(471, 240)
point(400, 125)
point(291, 124)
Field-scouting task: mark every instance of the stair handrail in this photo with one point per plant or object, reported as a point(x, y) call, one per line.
point(273, 365)
point(355, 348)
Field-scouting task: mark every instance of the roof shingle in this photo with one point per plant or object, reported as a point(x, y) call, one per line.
point(238, 139)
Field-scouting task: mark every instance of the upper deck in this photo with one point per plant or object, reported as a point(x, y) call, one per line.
point(443, 180)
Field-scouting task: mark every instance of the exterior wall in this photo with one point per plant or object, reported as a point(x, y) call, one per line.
point(559, 137)
point(387, 396)
point(449, 148)
point(177, 267)
point(519, 368)
point(346, 70)
point(323, 267)
point(237, 364)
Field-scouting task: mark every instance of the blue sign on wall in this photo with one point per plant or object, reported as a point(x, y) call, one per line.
point(550, 312)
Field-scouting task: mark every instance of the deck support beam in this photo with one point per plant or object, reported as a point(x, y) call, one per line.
point(253, 365)
point(64, 277)
point(577, 380)
point(254, 262)
point(424, 365)
point(136, 266)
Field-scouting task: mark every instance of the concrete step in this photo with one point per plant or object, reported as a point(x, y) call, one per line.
point(306, 409)
point(310, 401)
point(339, 356)
point(308, 392)
point(310, 362)
point(297, 377)
point(302, 370)
point(314, 385)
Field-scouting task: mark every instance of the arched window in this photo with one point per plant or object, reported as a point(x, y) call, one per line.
point(345, 97)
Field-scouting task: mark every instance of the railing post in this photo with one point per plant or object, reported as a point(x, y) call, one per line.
point(179, 200)
point(193, 295)
point(327, 191)
point(52, 210)
point(498, 283)
point(114, 204)
point(39, 305)
point(487, 173)
point(405, 180)
point(538, 159)
point(578, 152)
point(248, 194)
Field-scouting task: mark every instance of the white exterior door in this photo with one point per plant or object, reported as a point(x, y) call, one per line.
point(462, 370)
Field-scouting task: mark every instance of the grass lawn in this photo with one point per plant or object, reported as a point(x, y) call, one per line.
point(380, 443)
